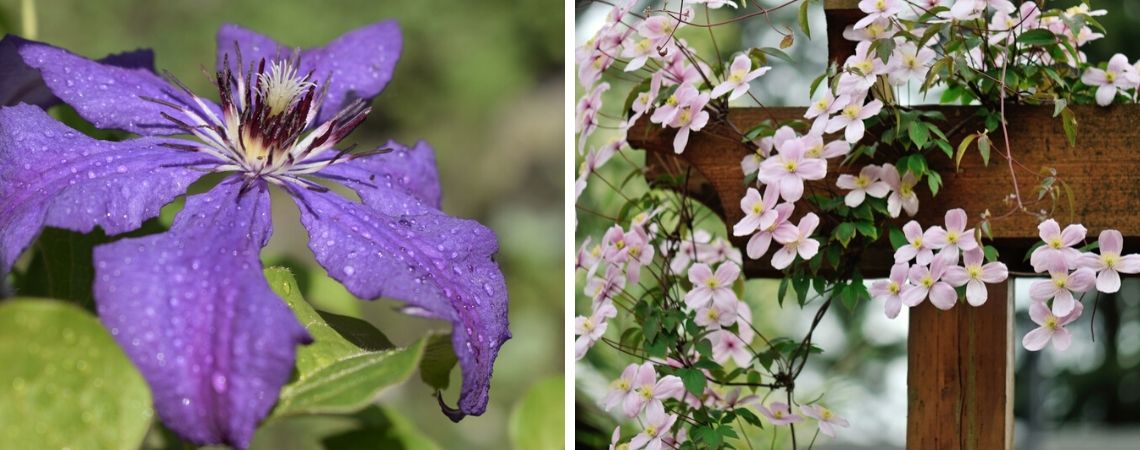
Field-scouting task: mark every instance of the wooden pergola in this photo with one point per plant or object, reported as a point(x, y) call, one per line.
point(960, 362)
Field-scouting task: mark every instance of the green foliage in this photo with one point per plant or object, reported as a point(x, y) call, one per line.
point(380, 427)
point(538, 420)
point(439, 358)
point(335, 375)
point(64, 383)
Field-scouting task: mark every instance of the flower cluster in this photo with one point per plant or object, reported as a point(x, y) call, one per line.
point(1053, 301)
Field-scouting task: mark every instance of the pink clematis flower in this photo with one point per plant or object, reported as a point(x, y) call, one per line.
point(739, 75)
point(866, 183)
point(796, 240)
point(713, 316)
point(789, 168)
point(821, 110)
point(813, 143)
point(1118, 76)
point(590, 329)
point(902, 191)
point(877, 9)
point(1109, 264)
point(660, 29)
point(708, 287)
point(759, 212)
point(1057, 243)
point(975, 275)
point(648, 390)
point(851, 117)
point(621, 388)
point(587, 113)
point(758, 244)
point(1061, 285)
point(1051, 329)
point(917, 245)
point(779, 413)
point(890, 290)
point(751, 163)
point(657, 426)
point(909, 63)
point(953, 239)
point(827, 418)
point(928, 282)
point(726, 345)
point(601, 289)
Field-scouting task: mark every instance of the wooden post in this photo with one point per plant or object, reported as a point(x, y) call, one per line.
point(960, 362)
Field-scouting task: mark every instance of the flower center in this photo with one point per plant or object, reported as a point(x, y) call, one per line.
point(588, 324)
point(1110, 76)
point(712, 314)
point(1110, 260)
point(822, 104)
point(622, 385)
point(862, 181)
point(791, 166)
point(712, 283)
point(757, 208)
point(893, 287)
point(927, 281)
point(952, 237)
point(672, 100)
point(1051, 322)
point(917, 242)
point(778, 414)
point(1061, 281)
point(851, 111)
point(267, 127)
point(651, 431)
point(826, 414)
point(646, 392)
point(974, 271)
point(1055, 243)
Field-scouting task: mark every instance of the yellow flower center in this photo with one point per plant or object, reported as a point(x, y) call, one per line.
point(588, 324)
point(974, 271)
point(1055, 243)
point(927, 281)
point(757, 208)
point(894, 287)
point(952, 236)
point(672, 100)
point(712, 283)
point(851, 111)
point(1051, 322)
point(917, 242)
point(712, 314)
point(791, 166)
point(825, 414)
point(1110, 260)
point(862, 181)
point(1060, 281)
point(651, 431)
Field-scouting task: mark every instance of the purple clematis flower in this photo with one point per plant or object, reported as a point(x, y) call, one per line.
point(190, 306)
point(20, 83)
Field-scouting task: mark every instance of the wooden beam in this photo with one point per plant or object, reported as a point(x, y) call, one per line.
point(960, 375)
point(1100, 171)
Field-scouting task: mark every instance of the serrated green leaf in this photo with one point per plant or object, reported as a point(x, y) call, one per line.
point(335, 376)
point(844, 233)
point(538, 419)
point(918, 133)
point(64, 383)
point(693, 379)
point(984, 148)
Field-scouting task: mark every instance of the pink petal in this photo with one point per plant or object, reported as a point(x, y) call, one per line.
point(700, 273)
point(758, 245)
point(727, 273)
point(1037, 339)
point(782, 258)
point(943, 296)
point(1063, 303)
point(1111, 242)
point(914, 295)
point(1061, 339)
point(791, 188)
point(956, 275)
point(812, 169)
point(994, 272)
point(808, 249)
point(1082, 280)
point(892, 306)
point(976, 293)
point(1042, 290)
point(1108, 281)
point(905, 253)
point(1048, 230)
point(1128, 264)
point(1039, 312)
point(956, 219)
point(1073, 235)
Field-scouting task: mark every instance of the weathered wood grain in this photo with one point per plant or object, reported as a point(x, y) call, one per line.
point(960, 375)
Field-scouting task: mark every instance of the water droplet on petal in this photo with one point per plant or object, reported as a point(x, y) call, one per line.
point(349, 270)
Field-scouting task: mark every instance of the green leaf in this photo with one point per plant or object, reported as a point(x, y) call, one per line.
point(984, 148)
point(538, 419)
point(867, 229)
point(379, 427)
point(61, 266)
point(1040, 37)
point(64, 383)
point(693, 379)
point(844, 233)
point(439, 358)
point(804, 18)
point(934, 181)
point(898, 239)
point(918, 133)
point(334, 375)
point(1069, 121)
point(962, 149)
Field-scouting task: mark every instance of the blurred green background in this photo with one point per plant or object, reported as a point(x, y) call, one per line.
point(481, 81)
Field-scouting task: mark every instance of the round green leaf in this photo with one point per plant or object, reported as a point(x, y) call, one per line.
point(64, 383)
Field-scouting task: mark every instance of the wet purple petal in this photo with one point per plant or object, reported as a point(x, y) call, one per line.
point(359, 62)
point(441, 266)
point(21, 83)
point(410, 170)
point(55, 176)
point(110, 97)
point(192, 310)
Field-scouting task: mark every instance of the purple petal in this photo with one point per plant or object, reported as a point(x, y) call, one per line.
point(409, 170)
point(442, 267)
point(20, 83)
point(51, 175)
point(192, 310)
point(357, 65)
point(108, 96)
